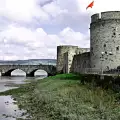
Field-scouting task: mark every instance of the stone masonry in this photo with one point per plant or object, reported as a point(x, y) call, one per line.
point(65, 55)
point(105, 40)
point(104, 52)
point(61, 50)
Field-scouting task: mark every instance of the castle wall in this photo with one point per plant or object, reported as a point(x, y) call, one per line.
point(80, 62)
point(104, 46)
point(65, 55)
point(68, 59)
point(105, 38)
point(60, 55)
point(65, 63)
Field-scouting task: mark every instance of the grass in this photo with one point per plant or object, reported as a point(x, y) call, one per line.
point(63, 97)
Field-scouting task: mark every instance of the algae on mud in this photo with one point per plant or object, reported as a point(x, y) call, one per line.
point(63, 97)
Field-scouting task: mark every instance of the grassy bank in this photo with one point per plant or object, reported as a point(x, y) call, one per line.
point(63, 97)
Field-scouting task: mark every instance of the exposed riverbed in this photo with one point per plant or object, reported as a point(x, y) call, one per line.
point(8, 109)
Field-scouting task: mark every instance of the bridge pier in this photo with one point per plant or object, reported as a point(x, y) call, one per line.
point(29, 75)
point(6, 74)
point(49, 74)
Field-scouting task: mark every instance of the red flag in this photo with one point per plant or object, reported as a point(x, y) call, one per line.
point(90, 5)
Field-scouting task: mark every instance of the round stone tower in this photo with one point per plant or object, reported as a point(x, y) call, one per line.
point(61, 50)
point(105, 40)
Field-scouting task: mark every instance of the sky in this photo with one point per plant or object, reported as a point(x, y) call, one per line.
point(32, 29)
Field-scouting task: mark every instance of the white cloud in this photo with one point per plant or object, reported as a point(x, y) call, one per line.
point(54, 10)
point(71, 16)
point(74, 38)
point(21, 10)
point(25, 42)
point(26, 10)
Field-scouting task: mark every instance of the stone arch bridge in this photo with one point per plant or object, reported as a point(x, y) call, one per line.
point(28, 69)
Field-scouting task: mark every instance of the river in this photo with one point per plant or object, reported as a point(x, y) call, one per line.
point(8, 109)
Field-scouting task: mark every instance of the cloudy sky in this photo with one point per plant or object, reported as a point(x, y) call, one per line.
point(32, 29)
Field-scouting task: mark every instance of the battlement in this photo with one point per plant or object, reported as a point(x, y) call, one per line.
point(105, 16)
point(95, 17)
point(67, 46)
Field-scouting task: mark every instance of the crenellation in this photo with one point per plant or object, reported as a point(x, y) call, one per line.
point(95, 17)
point(103, 16)
point(110, 15)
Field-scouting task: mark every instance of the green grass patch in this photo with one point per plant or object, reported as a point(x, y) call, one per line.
point(63, 97)
point(66, 77)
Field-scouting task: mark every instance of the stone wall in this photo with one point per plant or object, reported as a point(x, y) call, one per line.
point(80, 62)
point(60, 55)
point(65, 56)
point(68, 59)
point(65, 63)
point(105, 81)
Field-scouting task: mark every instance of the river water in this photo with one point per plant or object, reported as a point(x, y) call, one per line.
point(8, 109)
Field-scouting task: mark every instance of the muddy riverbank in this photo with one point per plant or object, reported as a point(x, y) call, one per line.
point(9, 109)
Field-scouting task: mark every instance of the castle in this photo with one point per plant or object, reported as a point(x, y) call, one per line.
point(104, 51)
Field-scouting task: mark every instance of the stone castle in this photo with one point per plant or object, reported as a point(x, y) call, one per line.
point(104, 51)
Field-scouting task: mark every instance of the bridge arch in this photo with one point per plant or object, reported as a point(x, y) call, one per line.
point(32, 73)
point(10, 72)
point(18, 72)
point(40, 72)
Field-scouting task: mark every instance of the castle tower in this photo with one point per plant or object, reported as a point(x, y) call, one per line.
point(105, 40)
point(62, 54)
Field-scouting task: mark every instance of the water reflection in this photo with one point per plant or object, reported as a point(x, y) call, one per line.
point(10, 110)
point(7, 106)
point(7, 83)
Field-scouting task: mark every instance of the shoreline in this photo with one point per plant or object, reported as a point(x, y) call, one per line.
point(63, 97)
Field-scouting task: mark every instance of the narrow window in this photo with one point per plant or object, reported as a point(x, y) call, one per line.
point(114, 33)
point(117, 48)
point(104, 45)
